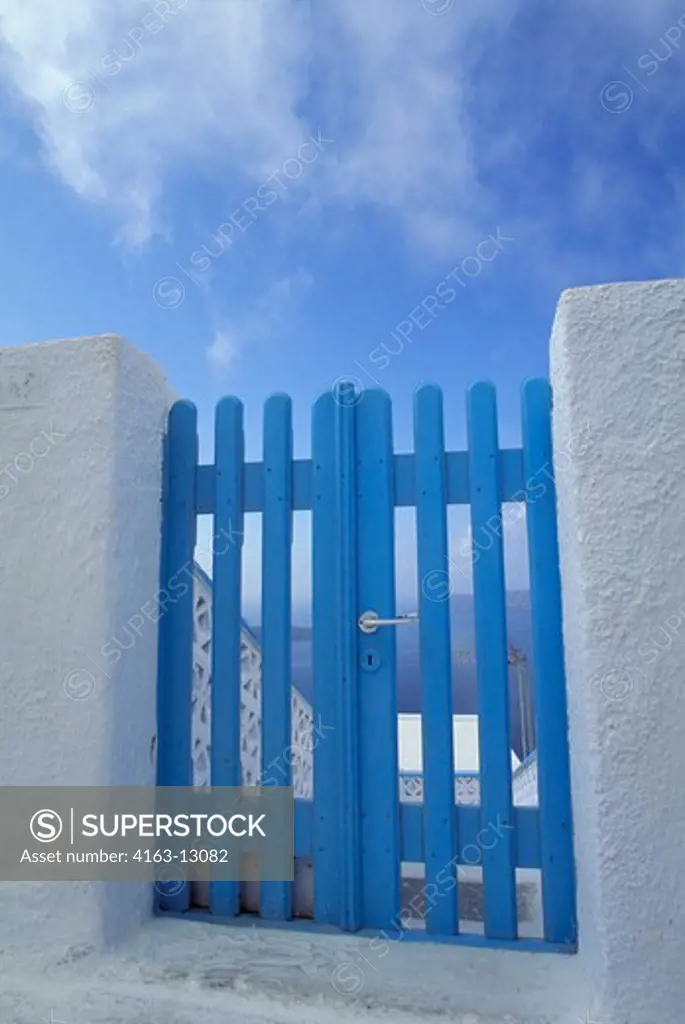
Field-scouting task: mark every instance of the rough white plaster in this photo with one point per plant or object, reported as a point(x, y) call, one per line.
point(618, 375)
point(183, 972)
point(80, 557)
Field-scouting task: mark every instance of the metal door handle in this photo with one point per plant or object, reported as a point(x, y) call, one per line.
point(369, 622)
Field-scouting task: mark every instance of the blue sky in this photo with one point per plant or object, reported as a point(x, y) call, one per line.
point(132, 132)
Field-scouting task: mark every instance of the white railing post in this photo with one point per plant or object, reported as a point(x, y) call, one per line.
point(618, 376)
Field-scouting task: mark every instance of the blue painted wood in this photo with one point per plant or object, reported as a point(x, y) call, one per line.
point(554, 785)
point(471, 837)
point(164, 726)
point(347, 669)
point(351, 484)
point(174, 758)
point(325, 659)
point(277, 535)
point(440, 838)
point(511, 481)
point(204, 489)
point(380, 836)
point(385, 937)
point(304, 828)
point(499, 880)
point(457, 477)
point(526, 821)
point(226, 618)
point(467, 818)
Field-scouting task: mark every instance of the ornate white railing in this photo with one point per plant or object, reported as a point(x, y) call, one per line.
point(467, 787)
point(300, 753)
point(526, 782)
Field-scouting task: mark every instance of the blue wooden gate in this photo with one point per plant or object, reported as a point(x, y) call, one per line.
point(356, 831)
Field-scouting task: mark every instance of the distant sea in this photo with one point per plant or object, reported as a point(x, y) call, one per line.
point(463, 675)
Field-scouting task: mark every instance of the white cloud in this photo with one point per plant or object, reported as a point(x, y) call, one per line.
point(404, 83)
point(128, 95)
point(223, 350)
point(125, 94)
point(270, 317)
point(278, 300)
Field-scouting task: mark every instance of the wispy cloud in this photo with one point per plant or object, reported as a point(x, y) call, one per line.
point(127, 96)
point(270, 318)
point(222, 352)
point(124, 93)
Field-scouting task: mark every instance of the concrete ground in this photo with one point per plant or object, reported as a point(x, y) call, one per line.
point(186, 972)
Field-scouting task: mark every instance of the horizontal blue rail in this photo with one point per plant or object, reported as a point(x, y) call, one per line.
point(511, 476)
point(468, 827)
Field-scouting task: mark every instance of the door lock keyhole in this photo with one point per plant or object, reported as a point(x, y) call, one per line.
point(370, 660)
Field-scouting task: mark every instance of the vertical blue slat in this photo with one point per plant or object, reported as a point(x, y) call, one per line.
point(499, 877)
point(380, 830)
point(226, 619)
point(440, 845)
point(347, 672)
point(275, 897)
point(325, 642)
point(163, 635)
point(179, 520)
point(554, 787)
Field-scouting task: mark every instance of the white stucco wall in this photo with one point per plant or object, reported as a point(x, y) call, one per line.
point(81, 426)
point(618, 369)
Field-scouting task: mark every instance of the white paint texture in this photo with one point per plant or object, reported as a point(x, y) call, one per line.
point(80, 557)
point(178, 972)
point(617, 368)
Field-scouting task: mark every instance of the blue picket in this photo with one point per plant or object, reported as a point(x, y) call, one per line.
point(346, 672)
point(276, 897)
point(440, 839)
point(498, 853)
point(325, 643)
point(174, 757)
point(554, 786)
point(226, 618)
point(380, 833)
